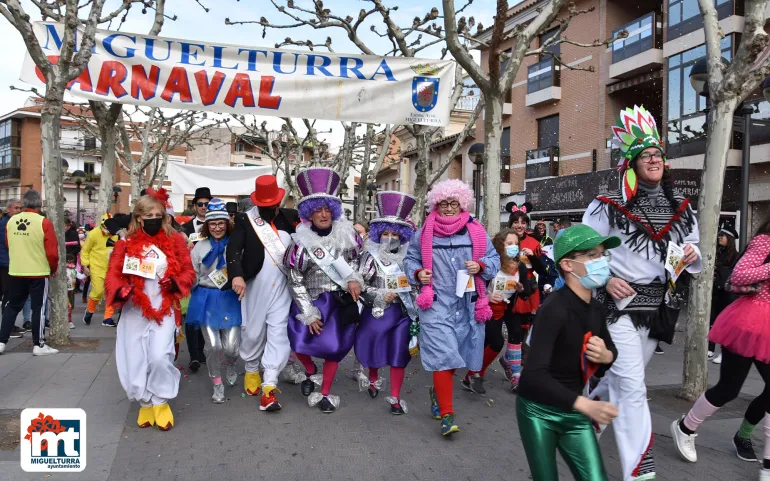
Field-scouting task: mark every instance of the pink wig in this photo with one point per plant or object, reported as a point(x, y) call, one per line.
point(450, 189)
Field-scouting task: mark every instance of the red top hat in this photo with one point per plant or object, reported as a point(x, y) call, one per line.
point(266, 191)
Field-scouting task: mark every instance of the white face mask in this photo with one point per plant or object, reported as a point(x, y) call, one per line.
point(390, 244)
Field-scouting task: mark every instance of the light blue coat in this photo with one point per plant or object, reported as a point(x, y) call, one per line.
point(450, 336)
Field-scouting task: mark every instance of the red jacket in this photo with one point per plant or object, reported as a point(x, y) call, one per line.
point(50, 243)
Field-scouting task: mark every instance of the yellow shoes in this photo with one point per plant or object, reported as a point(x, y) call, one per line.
point(146, 417)
point(164, 418)
point(252, 383)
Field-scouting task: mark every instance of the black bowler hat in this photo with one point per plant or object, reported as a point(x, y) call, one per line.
point(231, 207)
point(728, 229)
point(202, 193)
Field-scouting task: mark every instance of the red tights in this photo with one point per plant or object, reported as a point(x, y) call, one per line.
point(330, 370)
point(396, 379)
point(442, 384)
point(489, 357)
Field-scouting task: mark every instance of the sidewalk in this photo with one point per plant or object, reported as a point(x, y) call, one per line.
point(236, 441)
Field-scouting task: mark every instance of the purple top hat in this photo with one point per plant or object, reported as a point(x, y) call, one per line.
point(393, 206)
point(318, 182)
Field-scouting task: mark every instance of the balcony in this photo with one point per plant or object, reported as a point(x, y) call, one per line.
point(10, 141)
point(684, 28)
point(86, 144)
point(641, 51)
point(542, 163)
point(543, 82)
point(467, 103)
point(10, 173)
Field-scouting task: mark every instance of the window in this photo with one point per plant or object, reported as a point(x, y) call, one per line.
point(684, 15)
point(90, 143)
point(555, 49)
point(89, 168)
point(505, 156)
point(548, 131)
point(686, 121)
point(240, 147)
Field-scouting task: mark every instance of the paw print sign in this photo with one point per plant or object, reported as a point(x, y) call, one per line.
point(22, 224)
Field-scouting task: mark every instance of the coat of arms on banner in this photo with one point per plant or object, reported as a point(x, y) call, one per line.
point(425, 87)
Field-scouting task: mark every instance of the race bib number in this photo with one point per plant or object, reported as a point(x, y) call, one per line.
point(219, 277)
point(506, 284)
point(397, 283)
point(140, 267)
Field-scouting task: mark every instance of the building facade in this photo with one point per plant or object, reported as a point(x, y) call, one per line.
point(557, 119)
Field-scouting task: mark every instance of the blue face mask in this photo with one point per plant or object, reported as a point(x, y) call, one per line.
point(511, 251)
point(597, 273)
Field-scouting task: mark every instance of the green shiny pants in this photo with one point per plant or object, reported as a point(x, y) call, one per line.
point(544, 429)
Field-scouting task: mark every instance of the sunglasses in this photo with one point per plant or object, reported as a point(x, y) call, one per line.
point(202, 204)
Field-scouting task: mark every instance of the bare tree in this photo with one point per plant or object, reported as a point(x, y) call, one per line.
point(728, 86)
point(406, 41)
point(77, 45)
point(494, 83)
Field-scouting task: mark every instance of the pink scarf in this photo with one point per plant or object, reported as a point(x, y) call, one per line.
point(445, 227)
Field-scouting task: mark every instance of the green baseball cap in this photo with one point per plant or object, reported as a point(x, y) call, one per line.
point(579, 238)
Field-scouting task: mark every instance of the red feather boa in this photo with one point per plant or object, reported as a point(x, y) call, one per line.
point(656, 235)
point(179, 268)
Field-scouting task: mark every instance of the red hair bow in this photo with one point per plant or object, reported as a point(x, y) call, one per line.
point(522, 209)
point(160, 194)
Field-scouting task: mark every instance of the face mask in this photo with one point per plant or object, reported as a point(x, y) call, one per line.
point(390, 244)
point(511, 251)
point(597, 273)
point(152, 226)
point(268, 213)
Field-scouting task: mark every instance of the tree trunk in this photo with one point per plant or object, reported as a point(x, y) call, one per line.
point(137, 182)
point(104, 196)
point(50, 118)
point(695, 373)
point(493, 132)
point(421, 186)
point(163, 157)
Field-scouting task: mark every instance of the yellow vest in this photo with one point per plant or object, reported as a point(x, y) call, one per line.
point(26, 248)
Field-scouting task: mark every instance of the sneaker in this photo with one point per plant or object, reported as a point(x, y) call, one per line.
point(87, 318)
point(109, 323)
point(718, 359)
point(658, 350)
point(27, 325)
point(711, 354)
point(326, 406)
point(744, 448)
point(232, 374)
point(435, 412)
point(269, 403)
point(685, 443)
point(194, 366)
point(515, 384)
point(506, 367)
point(396, 409)
point(448, 425)
point(2, 347)
point(44, 350)
point(71, 325)
point(16, 332)
point(219, 394)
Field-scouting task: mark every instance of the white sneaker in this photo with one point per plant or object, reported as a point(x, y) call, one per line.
point(2, 347)
point(711, 354)
point(764, 474)
point(685, 443)
point(72, 325)
point(718, 359)
point(46, 350)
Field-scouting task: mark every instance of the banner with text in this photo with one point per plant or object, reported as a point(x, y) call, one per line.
point(187, 74)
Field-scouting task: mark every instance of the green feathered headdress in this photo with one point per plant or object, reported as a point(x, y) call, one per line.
point(635, 131)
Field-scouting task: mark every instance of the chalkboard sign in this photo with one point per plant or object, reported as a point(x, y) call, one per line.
point(575, 192)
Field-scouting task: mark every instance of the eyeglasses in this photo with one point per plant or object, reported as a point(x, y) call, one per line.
point(217, 225)
point(454, 204)
point(202, 204)
point(649, 158)
point(595, 255)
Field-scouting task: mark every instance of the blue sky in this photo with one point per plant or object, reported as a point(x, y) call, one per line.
point(194, 23)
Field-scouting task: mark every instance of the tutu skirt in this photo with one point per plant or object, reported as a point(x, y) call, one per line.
point(744, 328)
point(213, 308)
point(384, 341)
point(336, 338)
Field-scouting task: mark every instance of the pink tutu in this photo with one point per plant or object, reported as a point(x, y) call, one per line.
point(744, 328)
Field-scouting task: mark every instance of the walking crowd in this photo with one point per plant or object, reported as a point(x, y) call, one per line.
point(293, 292)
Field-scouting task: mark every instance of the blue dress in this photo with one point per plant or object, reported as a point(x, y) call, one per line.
point(450, 336)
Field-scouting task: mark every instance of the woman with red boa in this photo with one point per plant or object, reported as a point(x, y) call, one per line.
point(144, 350)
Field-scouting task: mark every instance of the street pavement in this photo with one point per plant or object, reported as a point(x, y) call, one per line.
point(362, 441)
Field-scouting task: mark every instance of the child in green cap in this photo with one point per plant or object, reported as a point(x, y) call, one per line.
point(570, 342)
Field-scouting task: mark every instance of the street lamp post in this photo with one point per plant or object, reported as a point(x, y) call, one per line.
point(699, 81)
point(78, 176)
point(476, 153)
